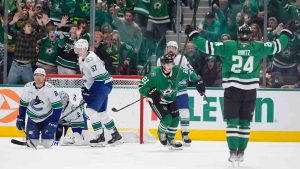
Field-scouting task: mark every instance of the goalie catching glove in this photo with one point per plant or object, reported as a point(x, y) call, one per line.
point(154, 94)
point(200, 87)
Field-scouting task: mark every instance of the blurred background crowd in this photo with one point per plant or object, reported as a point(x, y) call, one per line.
point(127, 34)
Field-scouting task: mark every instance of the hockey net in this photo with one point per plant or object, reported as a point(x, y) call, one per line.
point(130, 121)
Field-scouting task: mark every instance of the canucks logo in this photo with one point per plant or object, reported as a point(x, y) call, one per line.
point(36, 104)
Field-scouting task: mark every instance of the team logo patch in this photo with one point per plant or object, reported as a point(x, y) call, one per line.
point(153, 74)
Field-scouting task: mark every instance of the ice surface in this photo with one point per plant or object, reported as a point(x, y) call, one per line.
point(201, 155)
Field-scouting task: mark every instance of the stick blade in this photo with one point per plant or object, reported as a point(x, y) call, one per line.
point(17, 142)
point(114, 109)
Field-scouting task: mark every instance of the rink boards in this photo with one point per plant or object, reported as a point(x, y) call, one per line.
point(275, 117)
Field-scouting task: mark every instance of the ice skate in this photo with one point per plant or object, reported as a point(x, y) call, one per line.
point(162, 138)
point(116, 139)
point(185, 139)
point(99, 141)
point(240, 156)
point(233, 158)
point(174, 145)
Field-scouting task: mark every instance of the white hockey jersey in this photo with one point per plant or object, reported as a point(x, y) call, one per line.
point(184, 63)
point(75, 119)
point(93, 69)
point(40, 102)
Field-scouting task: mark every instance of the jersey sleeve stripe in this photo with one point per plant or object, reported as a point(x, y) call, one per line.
point(206, 47)
point(279, 45)
point(23, 103)
point(212, 49)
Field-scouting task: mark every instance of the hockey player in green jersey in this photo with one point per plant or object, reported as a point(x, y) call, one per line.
point(161, 87)
point(240, 72)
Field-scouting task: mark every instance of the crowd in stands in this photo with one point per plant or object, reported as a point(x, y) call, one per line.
point(41, 33)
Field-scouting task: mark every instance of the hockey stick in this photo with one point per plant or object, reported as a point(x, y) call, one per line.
point(187, 39)
point(23, 143)
point(116, 110)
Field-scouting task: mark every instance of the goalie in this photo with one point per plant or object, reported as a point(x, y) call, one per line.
point(71, 116)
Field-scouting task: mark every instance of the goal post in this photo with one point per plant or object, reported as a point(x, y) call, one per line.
point(125, 91)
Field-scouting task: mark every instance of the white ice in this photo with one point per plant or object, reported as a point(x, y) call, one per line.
point(201, 155)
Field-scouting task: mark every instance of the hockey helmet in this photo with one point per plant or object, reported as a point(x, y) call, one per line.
point(244, 32)
point(166, 59)
point(81, 43)
point(64, 97)
point(40, 71)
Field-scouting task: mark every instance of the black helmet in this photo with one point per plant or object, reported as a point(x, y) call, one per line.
point(244, 32)
point(166, 59)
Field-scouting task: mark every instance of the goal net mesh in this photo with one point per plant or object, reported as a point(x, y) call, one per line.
point(131, 120)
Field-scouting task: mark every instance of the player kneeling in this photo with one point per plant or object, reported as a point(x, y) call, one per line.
point(40, 101)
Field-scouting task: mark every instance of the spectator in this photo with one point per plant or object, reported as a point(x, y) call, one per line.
point(211, 73)
point(25, 56)
point(58, 9)
point(127, 57)
point(141, 14)
point(223, 13)
point(109, 54)
point(67, 59)
point(210, 27)
point(48, 51)
point(194, 57)
point(128, 30)
point(256, 32)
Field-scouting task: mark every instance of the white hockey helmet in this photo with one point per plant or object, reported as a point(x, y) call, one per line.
point(172, 44)
point(64, 97)
point(81, 43)
point(40, 71)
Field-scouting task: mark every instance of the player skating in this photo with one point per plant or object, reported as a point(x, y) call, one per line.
point(161, 87)
point(97, 84)
point(41, 102)
point(240, 71)
point(182, 99)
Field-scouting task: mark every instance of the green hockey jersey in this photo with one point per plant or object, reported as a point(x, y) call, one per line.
point(241, 61)
point(166, 85)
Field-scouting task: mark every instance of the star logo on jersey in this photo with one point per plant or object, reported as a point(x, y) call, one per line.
point(9, 105)
point(49, 51)
point(157, 6)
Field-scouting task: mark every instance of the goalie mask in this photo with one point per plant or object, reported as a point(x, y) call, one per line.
point(244, 33)
point(64, 97)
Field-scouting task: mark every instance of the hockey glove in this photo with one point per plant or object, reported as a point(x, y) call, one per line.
point(154, 94)
point(85, 92)
point(191, 32)
point(20, 123)
point(200, 87)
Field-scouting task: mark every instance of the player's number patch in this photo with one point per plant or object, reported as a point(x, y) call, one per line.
point(240, 65)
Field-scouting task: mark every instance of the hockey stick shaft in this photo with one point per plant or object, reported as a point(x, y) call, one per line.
point(81, 104)
point(116, 110)
point(34, 146)
point(187, 38)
